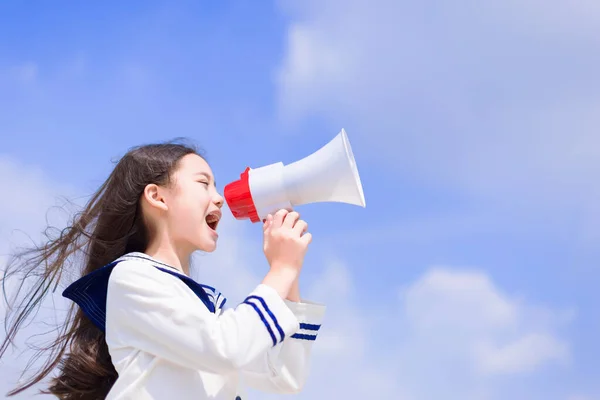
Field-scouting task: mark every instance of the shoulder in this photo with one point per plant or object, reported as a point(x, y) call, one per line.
point(137, 279)
point(140, 276)
point(131, 268)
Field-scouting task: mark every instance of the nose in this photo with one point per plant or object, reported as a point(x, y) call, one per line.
point(218, 200)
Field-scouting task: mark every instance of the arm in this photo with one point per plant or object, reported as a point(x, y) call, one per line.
point(294, 293)
point(147, 310)
point(285, 367)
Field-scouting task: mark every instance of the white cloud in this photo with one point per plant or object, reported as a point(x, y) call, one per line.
point(524, 354)
point(468, 300)
point(459, 330)
point(493, 98)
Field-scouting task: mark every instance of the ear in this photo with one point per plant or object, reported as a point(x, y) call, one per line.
point(154, 196)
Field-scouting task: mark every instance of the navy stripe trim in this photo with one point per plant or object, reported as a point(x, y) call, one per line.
point(262, 301)
point(309, 327)
point(303, 336)
point(221, 301)
point(262, 317)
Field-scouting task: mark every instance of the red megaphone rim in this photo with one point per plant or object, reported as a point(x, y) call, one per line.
point(239, 198)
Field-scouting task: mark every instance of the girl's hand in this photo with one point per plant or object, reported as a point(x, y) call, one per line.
point(285, 243)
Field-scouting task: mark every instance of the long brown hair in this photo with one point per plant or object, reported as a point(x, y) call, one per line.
point(109, 226)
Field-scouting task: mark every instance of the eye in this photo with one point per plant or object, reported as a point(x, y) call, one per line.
point(204, 183)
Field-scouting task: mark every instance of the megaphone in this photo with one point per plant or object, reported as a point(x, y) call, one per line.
point(328, 175)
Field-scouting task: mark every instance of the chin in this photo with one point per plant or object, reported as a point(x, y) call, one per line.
point(207, 247)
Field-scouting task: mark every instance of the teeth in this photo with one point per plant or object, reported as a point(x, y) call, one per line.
point(212, 219)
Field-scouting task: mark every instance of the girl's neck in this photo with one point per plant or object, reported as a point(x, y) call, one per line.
point(165, 251)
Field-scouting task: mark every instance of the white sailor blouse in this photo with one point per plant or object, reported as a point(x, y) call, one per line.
point(170, 337)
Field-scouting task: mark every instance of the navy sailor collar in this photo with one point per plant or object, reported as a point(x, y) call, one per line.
point(89, 292)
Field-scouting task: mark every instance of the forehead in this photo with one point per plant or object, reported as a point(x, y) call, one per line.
point(192, 164)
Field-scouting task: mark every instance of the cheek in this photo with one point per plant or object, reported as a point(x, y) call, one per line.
point(186, 222)
point(190, 209)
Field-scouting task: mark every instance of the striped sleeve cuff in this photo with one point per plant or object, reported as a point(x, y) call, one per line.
point(278, 320)
point(310, 315)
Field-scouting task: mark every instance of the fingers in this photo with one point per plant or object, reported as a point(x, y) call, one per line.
point(301, 227)
point(278, 217)
point(290, 219)
point(306, 238)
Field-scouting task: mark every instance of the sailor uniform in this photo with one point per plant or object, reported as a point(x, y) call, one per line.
point(166, 344)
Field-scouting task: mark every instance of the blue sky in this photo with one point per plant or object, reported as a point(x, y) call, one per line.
point(472, 272)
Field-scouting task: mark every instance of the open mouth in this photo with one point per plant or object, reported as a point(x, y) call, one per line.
point(212, 219)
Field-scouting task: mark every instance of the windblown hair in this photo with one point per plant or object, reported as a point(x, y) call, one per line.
point(109, 226)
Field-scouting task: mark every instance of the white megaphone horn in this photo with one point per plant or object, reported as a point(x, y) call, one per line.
point(328, 175)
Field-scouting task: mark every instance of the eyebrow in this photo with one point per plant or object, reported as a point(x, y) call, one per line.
point(210, 178)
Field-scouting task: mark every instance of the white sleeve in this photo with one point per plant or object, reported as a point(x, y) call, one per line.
point(147, 310)
point(285, 367)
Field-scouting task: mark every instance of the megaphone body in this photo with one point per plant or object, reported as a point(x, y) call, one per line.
point(328, 175)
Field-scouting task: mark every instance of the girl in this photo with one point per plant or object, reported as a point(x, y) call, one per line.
point(140, 328)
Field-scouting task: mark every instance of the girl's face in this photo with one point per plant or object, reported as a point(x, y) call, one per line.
point(193, 205)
